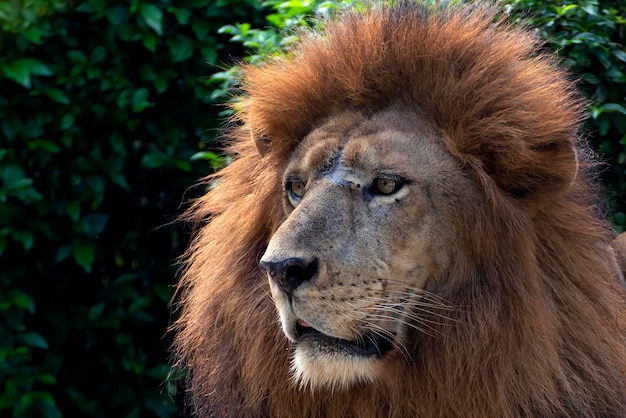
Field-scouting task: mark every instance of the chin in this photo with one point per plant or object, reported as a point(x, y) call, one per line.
point(322, 361)
point(321, 367)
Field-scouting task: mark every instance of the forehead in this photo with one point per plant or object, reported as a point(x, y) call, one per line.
point(395, 140)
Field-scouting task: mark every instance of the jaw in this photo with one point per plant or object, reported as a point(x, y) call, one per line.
point(324, 361)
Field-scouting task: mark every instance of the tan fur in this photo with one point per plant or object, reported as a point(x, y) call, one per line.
point(534, 316)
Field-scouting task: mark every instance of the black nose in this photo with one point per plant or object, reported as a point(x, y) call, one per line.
point(290, 273)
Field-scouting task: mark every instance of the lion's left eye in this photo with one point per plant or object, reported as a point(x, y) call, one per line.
point(295, 190)
point(386, 185)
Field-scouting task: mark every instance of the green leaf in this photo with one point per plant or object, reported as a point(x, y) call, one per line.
point(621, 55)
point(149, 41)
point(209, 53)
point(616, 75)
point(181, 47)
point(154, 159)
point(77, 56)
point(98, 55)
point(162, 78)
point(591, 9)
point(85, 404)
point(44, 145)
point(126, 277)
point(614, 107)
point(43, 400)
point(62, 253)
point(123, 339)
point(183, 165)
point(23, 300)
point(67, 121)
point(160, 83)
point(37, 67)
point(139, 100)
point(33, 34)
point(140, 304)
point(57, 95)
point(18, 184)
point(26, 238)
point(153, 16)
point(119, 179)
point(95, 223)
point(13, 177)
point(47, 379)
point(601, 92)
point(201, 29)
point(182, 15)
point(95, 311)
point(215, 160)
point(73, 210)
point(118, 143)
point(21, 70)
point(33, 339)
point(195, 4)
point(92, 6)
point(97, 184)
point(83, 254)
point(11, 126)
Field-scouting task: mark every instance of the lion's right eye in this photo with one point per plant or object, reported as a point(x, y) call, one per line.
point(386, 185)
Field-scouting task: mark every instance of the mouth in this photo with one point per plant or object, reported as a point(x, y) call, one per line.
point(368, 345)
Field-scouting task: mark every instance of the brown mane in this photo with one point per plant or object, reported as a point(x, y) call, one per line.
point(541, 331)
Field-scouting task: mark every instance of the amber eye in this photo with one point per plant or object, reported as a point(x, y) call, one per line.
point(297, 188)
point(386, 185)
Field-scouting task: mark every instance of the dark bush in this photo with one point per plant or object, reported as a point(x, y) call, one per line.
point(106, 120)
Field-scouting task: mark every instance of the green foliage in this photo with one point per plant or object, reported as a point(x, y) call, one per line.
point(590, 36)
point(285, 19)
point(105, 121)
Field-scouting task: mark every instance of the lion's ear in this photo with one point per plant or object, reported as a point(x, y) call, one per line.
point(548, 171)
point(262, 143)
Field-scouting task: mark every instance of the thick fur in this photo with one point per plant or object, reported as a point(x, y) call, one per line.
point(540, 328)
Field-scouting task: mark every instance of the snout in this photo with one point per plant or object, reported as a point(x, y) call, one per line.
point(289, 273)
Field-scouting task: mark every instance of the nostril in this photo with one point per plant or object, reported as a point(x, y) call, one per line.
point(299, 273)
point(291, 273)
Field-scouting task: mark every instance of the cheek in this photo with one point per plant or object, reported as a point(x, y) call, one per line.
point(418, 248)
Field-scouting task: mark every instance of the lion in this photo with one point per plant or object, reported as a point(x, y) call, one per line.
point(409, 228)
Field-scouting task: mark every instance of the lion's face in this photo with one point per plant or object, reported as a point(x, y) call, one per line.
point(363, 240)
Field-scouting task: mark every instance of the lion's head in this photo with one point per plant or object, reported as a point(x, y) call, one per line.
point(369, 234)
point(413, 184)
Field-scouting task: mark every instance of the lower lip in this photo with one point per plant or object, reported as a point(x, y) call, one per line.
point(375, 347)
